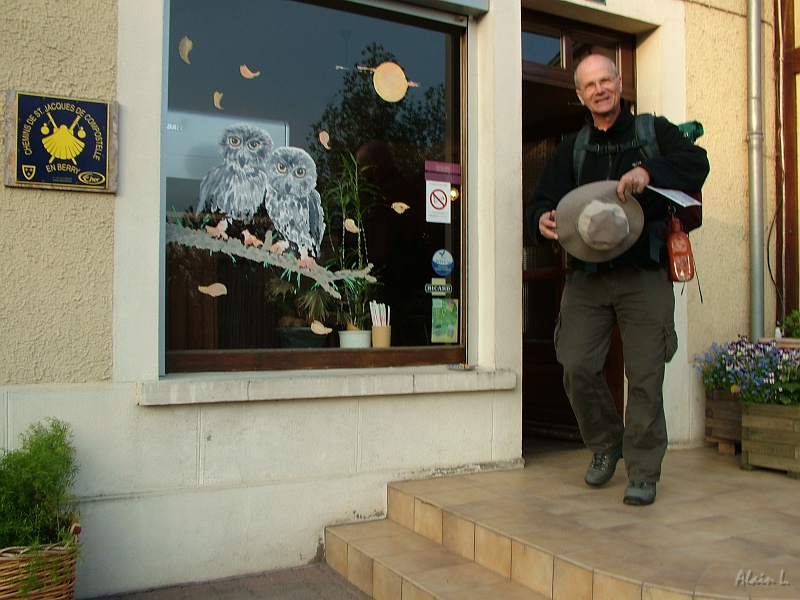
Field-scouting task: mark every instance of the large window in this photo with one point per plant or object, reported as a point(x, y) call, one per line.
point(312, 174)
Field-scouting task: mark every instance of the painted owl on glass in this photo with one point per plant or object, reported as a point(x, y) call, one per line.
point(236, 187)
point(292, 201)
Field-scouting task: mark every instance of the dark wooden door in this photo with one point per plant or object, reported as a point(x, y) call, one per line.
point(550, 110)
point(546, 409)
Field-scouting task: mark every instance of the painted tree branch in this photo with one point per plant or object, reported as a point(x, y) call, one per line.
point(195, 238)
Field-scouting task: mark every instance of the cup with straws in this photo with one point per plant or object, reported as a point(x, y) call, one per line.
point(381, 324)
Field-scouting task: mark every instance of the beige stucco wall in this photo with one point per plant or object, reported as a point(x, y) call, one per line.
point(717, 94)
point(57, 247)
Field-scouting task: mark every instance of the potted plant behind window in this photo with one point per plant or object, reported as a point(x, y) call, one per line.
point(347, 202)
point(305, 308)
point(38, 518)
point(790, 331)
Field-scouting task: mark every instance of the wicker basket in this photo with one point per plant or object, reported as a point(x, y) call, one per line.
point(47, 573)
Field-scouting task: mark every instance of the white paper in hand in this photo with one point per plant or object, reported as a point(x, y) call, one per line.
point(678, 197)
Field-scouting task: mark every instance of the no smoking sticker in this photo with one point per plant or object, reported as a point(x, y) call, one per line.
point(437, 204)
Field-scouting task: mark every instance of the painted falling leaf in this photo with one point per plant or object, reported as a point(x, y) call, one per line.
point(184, 47)
point(400, 207)
point(218, 100)
point(319, 328)
point(325, 139)
point(351, 226)
point(214, 290)
point(247, 73)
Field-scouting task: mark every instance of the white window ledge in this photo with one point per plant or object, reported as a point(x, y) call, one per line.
point(203, 388)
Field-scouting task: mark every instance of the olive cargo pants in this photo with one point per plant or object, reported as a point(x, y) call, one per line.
point(642, 302)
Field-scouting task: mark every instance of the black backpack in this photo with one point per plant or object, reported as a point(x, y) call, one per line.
point(691, 217)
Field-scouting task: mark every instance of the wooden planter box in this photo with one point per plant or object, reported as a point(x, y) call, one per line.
point(771, 437)
point(723, 420)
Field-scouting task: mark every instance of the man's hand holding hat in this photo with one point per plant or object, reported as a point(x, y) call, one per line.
point(547, 225)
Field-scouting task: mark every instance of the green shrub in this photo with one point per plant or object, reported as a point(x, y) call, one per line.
point(36, 506)
point(791, 325)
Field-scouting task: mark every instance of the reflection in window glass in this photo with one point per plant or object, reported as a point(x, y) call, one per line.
point(543, 49)
point(296, 143)
point(584, 44)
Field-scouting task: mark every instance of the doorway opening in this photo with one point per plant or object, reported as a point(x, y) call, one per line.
point(550, 111)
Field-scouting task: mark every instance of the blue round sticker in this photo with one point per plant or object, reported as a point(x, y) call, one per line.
point(442, 262)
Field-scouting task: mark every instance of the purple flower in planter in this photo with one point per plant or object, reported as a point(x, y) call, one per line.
point(759, 372)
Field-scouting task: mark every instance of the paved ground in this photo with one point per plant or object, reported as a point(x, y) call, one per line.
point(315, 582)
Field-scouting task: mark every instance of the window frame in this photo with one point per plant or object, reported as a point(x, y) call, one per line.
point(563, 75)
point(286, 359)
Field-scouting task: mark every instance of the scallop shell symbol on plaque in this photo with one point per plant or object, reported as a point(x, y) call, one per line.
point(390, 81)
point(62, 144)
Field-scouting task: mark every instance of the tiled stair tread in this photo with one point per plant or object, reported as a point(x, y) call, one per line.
point(382, 558)
point(608, 556)
point(711, 522)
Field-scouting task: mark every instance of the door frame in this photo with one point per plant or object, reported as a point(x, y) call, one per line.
point(788, 249)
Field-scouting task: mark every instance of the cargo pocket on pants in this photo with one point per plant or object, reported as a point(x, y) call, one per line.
point(670, 342)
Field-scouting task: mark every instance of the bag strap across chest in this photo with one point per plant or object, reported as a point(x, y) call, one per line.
point(645, 139)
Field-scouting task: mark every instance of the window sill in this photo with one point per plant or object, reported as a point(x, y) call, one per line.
point(284, 359)
point(207, 388)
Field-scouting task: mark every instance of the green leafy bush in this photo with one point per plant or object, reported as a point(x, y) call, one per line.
point(791, 325)
point(36, 506)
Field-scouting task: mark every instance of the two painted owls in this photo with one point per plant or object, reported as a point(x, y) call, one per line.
point(236, 187)
point(292, 201)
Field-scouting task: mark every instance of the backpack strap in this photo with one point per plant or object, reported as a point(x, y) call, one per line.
point(644, 139)
point(579, 152)
point(645, 131)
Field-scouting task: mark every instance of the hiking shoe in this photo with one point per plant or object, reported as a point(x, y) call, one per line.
point(603, 466)
point(640, 493)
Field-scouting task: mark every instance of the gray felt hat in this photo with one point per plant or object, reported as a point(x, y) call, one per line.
point(594, 226)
